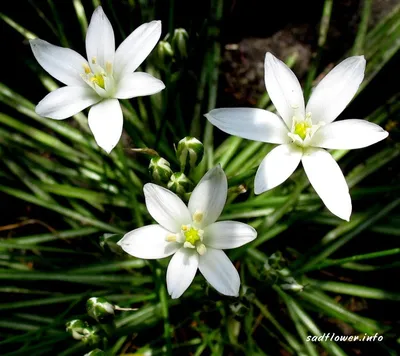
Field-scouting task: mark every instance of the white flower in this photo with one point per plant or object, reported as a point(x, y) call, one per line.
point(304, 132)
point(101, 80)
point(192, 235)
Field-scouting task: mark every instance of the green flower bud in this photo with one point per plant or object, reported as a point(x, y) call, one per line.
point(160, 170)
point(100, 309)
point(292, 285)
point(96, 352)
point(164, 54)
point(189, 152)
point(180, 184)
point(284, 272)
point(79, 329)
point(179, 42)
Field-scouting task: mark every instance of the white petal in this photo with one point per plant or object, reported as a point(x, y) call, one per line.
point(284, 89)
point(166, 207)
point(336, 90)
point(209, 196)
point(219, 271)
point(66, 101)
point(138, 84)
point(106, 121)
point(276, 167)
point(100, 42)
point(252, 124)
point(228, 234)
point(328, 181)
point(136, 47)
point(348, 134)
point(148, 242)
point(64, 64)
point(181, 270)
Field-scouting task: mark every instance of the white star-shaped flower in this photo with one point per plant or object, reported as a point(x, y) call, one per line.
point(101, 80)
point(304, 132)
point(192, 234)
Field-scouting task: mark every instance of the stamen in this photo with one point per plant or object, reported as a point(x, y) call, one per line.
point(171, 238)
point(198, 216)
point(86, 68)
point(201, 249)
point(188, 245)
point(109, 68)
point(94, 60)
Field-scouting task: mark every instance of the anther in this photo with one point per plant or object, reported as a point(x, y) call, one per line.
point(171, 238)
point(201, 249)
point(86, 68)
point(188, 245)
point(109, 68)
point(198, 216)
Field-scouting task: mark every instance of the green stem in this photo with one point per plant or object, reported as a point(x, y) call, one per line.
point(366, 256)
point(358, 48)
point(289, 337)
point(162, 293)
point(323, 31)
point(355, 290)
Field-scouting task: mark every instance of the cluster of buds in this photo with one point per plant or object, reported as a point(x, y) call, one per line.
point(172, 48)
point(103, 312)
point(189, 153)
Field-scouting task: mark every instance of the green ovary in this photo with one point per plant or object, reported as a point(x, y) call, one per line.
point(99, 80)
point(301, 129)
point(192, 236)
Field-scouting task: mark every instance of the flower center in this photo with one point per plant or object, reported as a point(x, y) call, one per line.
point(193, 238)
point(191, 234)
point(303, 129)
point(100, 79)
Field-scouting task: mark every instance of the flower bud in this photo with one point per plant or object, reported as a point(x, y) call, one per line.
point(160, 170)
point(189, 152)
point(292, 285)
point(164, 54)
point(179, 42)
point(284, 272)
point(82, 331)
point(79, 329)
point(96, 352)
point(180, 184)
point(100, 309)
